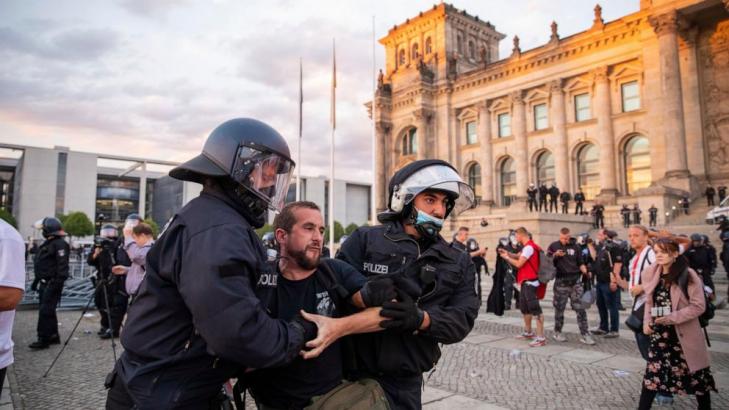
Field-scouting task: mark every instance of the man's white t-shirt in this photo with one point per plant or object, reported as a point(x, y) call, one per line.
point(12, 275)
point(527, 253)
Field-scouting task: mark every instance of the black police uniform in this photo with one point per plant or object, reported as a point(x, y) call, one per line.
point(447, 277)
point(652, 215)
point(532, 198)
point(543, 198)
point(702, 260)
point(710, 192)
point(553, 197)
point(579, 199)
point(51, 271)
point(196, 320)
point(625, 212)
point(111, 286)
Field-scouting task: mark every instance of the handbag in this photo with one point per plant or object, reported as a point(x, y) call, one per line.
point(589, 295)
point(634, 321)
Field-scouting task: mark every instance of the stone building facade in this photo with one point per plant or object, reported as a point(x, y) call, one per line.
point(634, 110)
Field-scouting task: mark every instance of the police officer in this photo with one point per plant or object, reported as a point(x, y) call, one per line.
point(51, 271)
point(636, 214)
point(702, 259)
point(532, 197)
point(553, 197)
point(625, 212)
point(579, 200)
point(565, 198)
point(722, 193)
point(710, 192)
point(421, 196)
point(110, 295)
point(543, 191)
point(652, 215)
point(196, 321)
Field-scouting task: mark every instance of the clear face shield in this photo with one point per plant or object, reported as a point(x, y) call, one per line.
point(441, 178)
point(108, 232)
point(263, 173)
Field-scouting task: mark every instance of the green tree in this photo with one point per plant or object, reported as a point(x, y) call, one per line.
point(152, 224)
point(8, 217)
point(350, 228)
point(264, 230)
point(78, 224)
point(338, 232)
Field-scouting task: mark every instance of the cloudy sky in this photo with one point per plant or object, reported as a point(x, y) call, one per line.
point(152, 78)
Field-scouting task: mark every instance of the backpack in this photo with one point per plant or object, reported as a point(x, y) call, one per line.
point(709, 311)
point(546, 271)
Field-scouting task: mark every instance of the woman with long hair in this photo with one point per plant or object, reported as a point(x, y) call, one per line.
point(678, 360)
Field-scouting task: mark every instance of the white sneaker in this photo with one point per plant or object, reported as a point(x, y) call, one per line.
point(587, 339)
point(558, 336)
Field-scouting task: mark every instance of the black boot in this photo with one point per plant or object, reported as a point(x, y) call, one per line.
point(54, 340)
point(102, 331)
point(108, 334)
point(39, 344)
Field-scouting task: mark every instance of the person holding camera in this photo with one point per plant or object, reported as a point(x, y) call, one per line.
point(51, 271)
point(570, 268)
point(109, 296)
point(678, 359)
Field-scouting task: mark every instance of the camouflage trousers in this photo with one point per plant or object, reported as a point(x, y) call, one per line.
point(569, 290)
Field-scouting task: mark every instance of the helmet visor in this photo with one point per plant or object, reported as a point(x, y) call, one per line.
point(265, 174)
point(108, 232)
point(441, 178)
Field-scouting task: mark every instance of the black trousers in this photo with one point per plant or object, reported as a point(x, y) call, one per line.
point(543, 203)
point(117, 398)
point(532, 204)
point(49, 296)
point(403, 393)
point(117, 306)
point(652, 220)
point(2, 378)
point(565, 207)
point(710, 200)
point(553, 206)
point(578, 208)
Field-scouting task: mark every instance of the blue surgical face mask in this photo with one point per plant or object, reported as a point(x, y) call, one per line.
point(428, 225)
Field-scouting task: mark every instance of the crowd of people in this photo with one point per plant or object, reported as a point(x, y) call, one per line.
point(668, 277)
point(206, 302)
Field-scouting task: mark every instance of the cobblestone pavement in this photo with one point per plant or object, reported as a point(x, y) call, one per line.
point(489, 370)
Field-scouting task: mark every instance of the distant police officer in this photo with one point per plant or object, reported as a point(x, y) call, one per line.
point(421, 196)
point(636, 214)
point(710, 192)
point(625, 213)
point(652, 215)
point(532, 197)
point(565, 198)
point(543, 191)
point(195, 321)
point(579, 200)
point(702, 259)
point(51, 271)
point(110, 297)
point(553, 197)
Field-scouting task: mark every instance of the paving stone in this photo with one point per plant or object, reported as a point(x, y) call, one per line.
point(432, 394)
point(620, 362)
point(584, 356)
point(462, 403)
point(476, 339)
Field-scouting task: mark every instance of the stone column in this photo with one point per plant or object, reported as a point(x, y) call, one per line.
point(671, 103)
point(559, 119)
point(382, 130)
point(603, 112)
point(521, 156)
point(692, 104)
point(421, 123)
point(485, 154)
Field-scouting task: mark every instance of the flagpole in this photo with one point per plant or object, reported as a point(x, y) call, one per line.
point(301, 123)
point(331, 146)
point(373, 190)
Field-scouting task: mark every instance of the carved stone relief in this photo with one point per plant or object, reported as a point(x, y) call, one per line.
point(714, 61)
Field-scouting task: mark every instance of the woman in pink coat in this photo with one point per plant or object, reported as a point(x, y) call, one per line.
point(678, 360)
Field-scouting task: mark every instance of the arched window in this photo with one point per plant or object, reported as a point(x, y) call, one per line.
point(474, 178)
point(414, 54)
point(471, 50)
point(545, 169)
point(588, 170)
point(428, 46)
point(508, 181)
point(401, 58)
point(637, 163)
point(410, 142)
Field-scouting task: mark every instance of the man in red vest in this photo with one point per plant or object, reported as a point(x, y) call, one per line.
point(527, 263)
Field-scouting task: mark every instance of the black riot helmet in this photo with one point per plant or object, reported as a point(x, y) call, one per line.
point(697, 239)
point(251, 155)
point(108, 231)
point(50, 226)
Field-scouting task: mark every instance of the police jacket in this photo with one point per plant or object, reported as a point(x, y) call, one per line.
point(701, 259)
point(553, 193)
point(107, 258)
point(196, 320)
point(51, 260)
point(447, 279)
point(579, 197)
point(565, 196)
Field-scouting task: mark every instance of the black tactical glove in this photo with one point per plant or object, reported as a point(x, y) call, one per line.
point(309, 329)
point(378, 290)
point(404, 316)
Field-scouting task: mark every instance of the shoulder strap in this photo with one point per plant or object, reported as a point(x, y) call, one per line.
point(326, 276)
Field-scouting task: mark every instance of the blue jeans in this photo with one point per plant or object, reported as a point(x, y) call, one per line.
point(607, 302)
